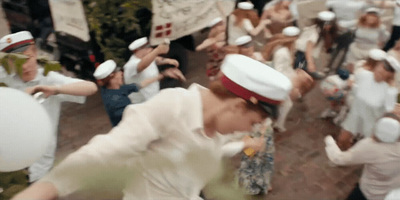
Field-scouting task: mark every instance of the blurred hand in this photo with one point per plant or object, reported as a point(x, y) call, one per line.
point(170, 61)
point(257, 144)
point(174, 73)
point(47, 90)
point(162, 49)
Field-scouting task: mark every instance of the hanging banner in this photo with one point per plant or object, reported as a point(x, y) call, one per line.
point(69, 17)
point(177, 18)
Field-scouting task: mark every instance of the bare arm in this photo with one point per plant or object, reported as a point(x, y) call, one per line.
point(149, 58)
point(309, 57)
point(38, 191)
point(80, 88)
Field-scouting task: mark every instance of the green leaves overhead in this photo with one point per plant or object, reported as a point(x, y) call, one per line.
point(12, 63)
point(116, 24)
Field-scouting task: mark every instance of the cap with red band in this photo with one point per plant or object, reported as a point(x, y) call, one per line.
point(16, 41)
point(248, 78)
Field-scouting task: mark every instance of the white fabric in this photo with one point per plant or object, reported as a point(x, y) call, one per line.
point(381, 164)
point(396, 16)
point(14, 38)
point(346, 11)
point(387, 130)
point(371, 101)
point(132, 76)
point(393, 195)
point(52, 106)
point(283, 61)
point(138, 43)
point(169, 157)
point(309, 33)
point(235, 32)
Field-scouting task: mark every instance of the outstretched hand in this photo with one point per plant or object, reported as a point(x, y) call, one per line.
point(47, 90)
point(174, 73)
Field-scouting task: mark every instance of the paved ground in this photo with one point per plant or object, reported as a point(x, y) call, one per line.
point(302, 169)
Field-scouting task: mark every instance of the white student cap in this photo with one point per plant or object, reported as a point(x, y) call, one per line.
point(245, 5)
point(291, 31)
point(393, 194)
point(242, 40)
point(393, 63)
point(138, 43)
point(16, 42)
point(249, 79)
point(377, 54)
point(326, 16)
point(387, 130)
point(374, 10)
point(214, 22)
point(104, 69)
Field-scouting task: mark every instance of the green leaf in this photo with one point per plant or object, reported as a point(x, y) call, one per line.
point(51, 66)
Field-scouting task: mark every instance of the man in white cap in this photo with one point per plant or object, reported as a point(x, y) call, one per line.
point(115, 93)
point(143, 64)
point(57, 88)
point(172, 145)
point(380, 155)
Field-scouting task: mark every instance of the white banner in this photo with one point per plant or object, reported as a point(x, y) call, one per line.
point(69, 17)
point(176, 18)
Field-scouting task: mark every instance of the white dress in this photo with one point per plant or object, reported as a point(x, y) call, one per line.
point(159, 147)
point(52, 106)
point(371, 101)
point(131, 75)
point(234, 32)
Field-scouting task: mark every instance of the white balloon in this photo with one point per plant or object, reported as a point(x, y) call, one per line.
point(25, 130)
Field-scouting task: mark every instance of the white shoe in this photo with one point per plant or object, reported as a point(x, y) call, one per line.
point(280, 129)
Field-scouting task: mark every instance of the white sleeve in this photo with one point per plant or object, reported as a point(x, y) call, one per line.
point(248, 25)
point(55, 78)
point(130, 69)
point(141, 124)
point(232, 148)
point(391, 99)
point(360, 153)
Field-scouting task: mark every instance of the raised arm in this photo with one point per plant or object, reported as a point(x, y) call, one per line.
point(149, 58)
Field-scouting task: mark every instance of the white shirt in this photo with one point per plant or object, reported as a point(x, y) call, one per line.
point(53, 107)
point(160, 142)
point(131, 75)
point(283, 62)
point(381, 162)
point(309, 33)
point(237, 31)
point(346, 11)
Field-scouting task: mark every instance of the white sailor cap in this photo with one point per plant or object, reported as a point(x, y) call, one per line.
point(242, 40)
point(138, 43)
point(291, 31)
point(16, 42)
point(214, 22)
point(374, 10)
point(104, 69)
point(326, 16)
point(387, 130)
point(245, 5)
point(393, 63)
point(251, 79)
point(377, 54)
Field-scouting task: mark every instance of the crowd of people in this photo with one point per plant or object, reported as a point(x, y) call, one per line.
point(169, 143)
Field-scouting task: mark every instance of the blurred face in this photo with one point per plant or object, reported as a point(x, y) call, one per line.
point(371, 19)
point(30, 68)
point(381, 73)
point(241, 117)
point(116, 79)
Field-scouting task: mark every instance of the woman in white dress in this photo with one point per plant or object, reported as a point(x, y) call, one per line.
point(374, 94)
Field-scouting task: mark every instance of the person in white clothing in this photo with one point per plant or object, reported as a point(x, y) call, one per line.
point(246, 47)
point(56, 87)
point(280, 50)
point(143, 65)
point(171, 146)
point(380, 155)
point(374, 94)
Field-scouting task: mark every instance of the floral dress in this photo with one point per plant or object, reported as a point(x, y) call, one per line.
point(256, 170)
